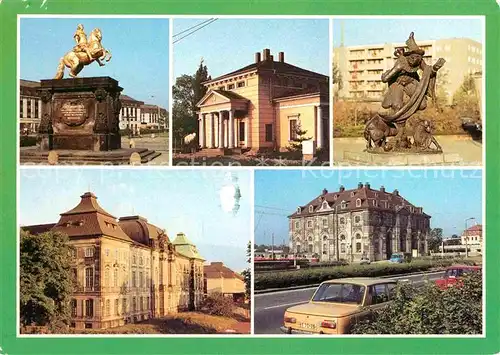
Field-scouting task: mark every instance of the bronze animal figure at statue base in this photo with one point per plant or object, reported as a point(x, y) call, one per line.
point(377, 131)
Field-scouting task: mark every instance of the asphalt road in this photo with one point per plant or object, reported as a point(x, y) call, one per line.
point(270, 307)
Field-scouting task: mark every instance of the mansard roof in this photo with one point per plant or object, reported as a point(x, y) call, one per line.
point(218, 270)
point(363, 197)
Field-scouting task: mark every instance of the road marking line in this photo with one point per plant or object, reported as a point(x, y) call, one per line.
point(284, 305)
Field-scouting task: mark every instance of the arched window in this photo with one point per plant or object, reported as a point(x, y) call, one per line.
point(343, 205)
point(352, 194)
point(325, 204)
point(358, 236)
point(311, 209)
point(298, 210)
point(342, 247)
point(325, 237)
point(342, 237)
point(358, 202)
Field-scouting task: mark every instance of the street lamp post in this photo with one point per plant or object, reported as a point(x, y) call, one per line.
point(467, 237)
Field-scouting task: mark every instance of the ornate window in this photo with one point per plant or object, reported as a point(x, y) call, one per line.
point(311, 209)
point(297, 224)
point(357, 219)
point(358, 247)
point(325, 205)
point(89, 308)
point(325, 237)
point(309, 224)
point(106, 277)
point(342, 237)
point(342, 247)
point(298, 210)
point(352, 194)
point(358, 236)
point(358, 202)
point(343, 205)
point(89, 278)
point(115, 277)
point(73, 308)
point(89, 252)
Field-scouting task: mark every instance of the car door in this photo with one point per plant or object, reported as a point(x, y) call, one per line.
point(377, 298)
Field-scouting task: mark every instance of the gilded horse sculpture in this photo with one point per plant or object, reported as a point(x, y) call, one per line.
point(84, 53)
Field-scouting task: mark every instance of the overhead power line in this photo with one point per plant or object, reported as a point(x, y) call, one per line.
point(195, 30)
point(190, 28)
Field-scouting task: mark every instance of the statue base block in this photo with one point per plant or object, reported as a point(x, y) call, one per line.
point(33, 155)
point(80, 114)
point(402, 159)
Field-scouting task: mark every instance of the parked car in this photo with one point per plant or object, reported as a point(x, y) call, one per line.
point(365, 260)
point(337, 305)
point(400, 258)
point(454, 273)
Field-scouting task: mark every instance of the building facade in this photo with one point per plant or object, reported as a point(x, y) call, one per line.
point(349, 224)
point(30, 107)
point(219, 278)
point(361, 66)
point(261, 106)
point(134, 114)
point(473, 238)
point(126, 269)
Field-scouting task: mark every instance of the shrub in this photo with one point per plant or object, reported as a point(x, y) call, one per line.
point(429, 310)
point(217, 304)
point(27, 141)
point(317, 275)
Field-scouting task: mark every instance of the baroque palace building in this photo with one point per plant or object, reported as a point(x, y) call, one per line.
point(349, 224)
point(262, 105)
point(126, 269)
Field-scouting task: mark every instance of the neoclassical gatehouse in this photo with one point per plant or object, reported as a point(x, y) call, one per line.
point(126, 269)
point(347, 224)
point(262, 105)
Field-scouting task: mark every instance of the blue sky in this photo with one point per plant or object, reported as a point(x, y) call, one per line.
point(449, 196)
point(230, 44)
point(375, 31)
point(139, 48)
point(177, 200)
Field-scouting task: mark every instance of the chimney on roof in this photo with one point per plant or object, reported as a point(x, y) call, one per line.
point(360, 185)
point(367, 185)
point(281, 57)
point(325, 191)
point(382, 188)
point(271, 58)
point(266, 54)
point(342, 188)
point(396, 192)
point(257, 57)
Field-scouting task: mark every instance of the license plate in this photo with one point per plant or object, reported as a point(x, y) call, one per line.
point(307, 326)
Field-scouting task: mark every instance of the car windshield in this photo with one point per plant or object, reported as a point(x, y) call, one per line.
point(340, 293)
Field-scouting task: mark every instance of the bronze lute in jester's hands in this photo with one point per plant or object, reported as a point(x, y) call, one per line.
point(83, 53)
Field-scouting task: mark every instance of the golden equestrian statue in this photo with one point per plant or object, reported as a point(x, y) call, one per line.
point(84, 53)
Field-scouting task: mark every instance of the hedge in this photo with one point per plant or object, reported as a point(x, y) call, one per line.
point(27, 141)
point(281, 279)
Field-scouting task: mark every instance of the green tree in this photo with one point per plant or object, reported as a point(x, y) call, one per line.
point(187, 92)
point(46, 281)
point(247, 273)
point(429, 310)
point(466, 99)
point(295, 145)
point(435, 239)
point(337, 79)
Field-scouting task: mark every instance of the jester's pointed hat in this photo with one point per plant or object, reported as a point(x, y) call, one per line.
point(413, 47)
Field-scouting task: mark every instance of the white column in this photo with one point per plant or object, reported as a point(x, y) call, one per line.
point(216, 129)
point(202, 130)
point(210, 131)
point(226, 135)
point(32, 108)
point(221, 131)
point(247, 128)
point(231, 129)
point(25, 108)
point(39, 109)
point(236, 132)
point(319, 125)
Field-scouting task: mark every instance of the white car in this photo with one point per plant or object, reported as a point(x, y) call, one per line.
point(364, 261)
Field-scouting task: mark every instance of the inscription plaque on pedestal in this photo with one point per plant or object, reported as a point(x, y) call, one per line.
point(80, 114)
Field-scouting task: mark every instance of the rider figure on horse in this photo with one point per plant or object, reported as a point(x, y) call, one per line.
point(81, 43)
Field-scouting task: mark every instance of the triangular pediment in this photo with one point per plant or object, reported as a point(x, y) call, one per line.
point(212, 98)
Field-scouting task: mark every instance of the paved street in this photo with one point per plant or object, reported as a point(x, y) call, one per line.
point(158, 144)
point(270, 307)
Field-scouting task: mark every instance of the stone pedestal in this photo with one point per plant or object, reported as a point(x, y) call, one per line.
point(80, 114)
